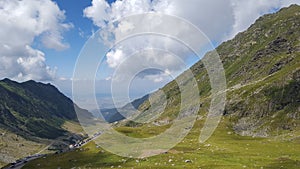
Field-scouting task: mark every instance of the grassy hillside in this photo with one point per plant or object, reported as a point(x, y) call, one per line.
point(33, 115)
point(262, 67)
point(35, 109)
point(260, 126)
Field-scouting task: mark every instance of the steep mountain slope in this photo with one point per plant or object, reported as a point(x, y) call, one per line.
point(32, 116)
point(34, 109)
point(262, 67)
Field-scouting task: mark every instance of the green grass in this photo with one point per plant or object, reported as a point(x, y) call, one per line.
point(142, 132)
point(73, 127)
point(223, 150)
point(256, 101)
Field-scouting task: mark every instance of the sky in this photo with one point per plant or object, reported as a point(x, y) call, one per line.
point(42, 39)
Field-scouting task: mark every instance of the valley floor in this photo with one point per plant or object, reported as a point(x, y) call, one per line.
point(224, 150)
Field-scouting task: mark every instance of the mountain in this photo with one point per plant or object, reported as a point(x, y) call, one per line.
point(262, 71)
point(260, 124)
point(33, 115)
point(117, 114)
point(262, 67)
point(34, 109)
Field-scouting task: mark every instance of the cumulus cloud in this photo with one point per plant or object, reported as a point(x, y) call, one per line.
point(245, 12)
point(212, 17)
point(106, 16)
point(148, 59)
point(218, 20)
point(101, 12)
point(23, 22)
point(114, 58)
point(98, 12)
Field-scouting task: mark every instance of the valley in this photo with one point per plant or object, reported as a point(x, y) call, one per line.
point(259, 128)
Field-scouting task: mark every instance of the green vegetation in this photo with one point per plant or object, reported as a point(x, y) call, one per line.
point(73, 127)
point(33, 109)
point(260, 127)
point(33, 115)
point(262, 68)
point(223, 150)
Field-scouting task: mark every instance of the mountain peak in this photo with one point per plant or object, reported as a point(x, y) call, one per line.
point(43, 105)
point(7, 80)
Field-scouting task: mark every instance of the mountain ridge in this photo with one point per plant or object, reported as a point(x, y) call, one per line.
point(260, 124)
point(254, 62)
point(36, 117)
point(34, 109)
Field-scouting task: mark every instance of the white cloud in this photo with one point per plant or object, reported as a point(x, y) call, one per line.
point(213, 17)
point(245, 12)
point(115, 57)
point(98, 12)
point(33, 66)
point(122, 8)
point(108, 78)
point(218, 20)
point(101, 11)
point(198, 12)
point(54, 41)
point(159, 78)
point(22, 23)
point(134, 56)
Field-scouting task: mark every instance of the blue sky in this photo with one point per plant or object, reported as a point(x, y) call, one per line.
point(65, 60)
point(76, 36)
point(42, 39)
